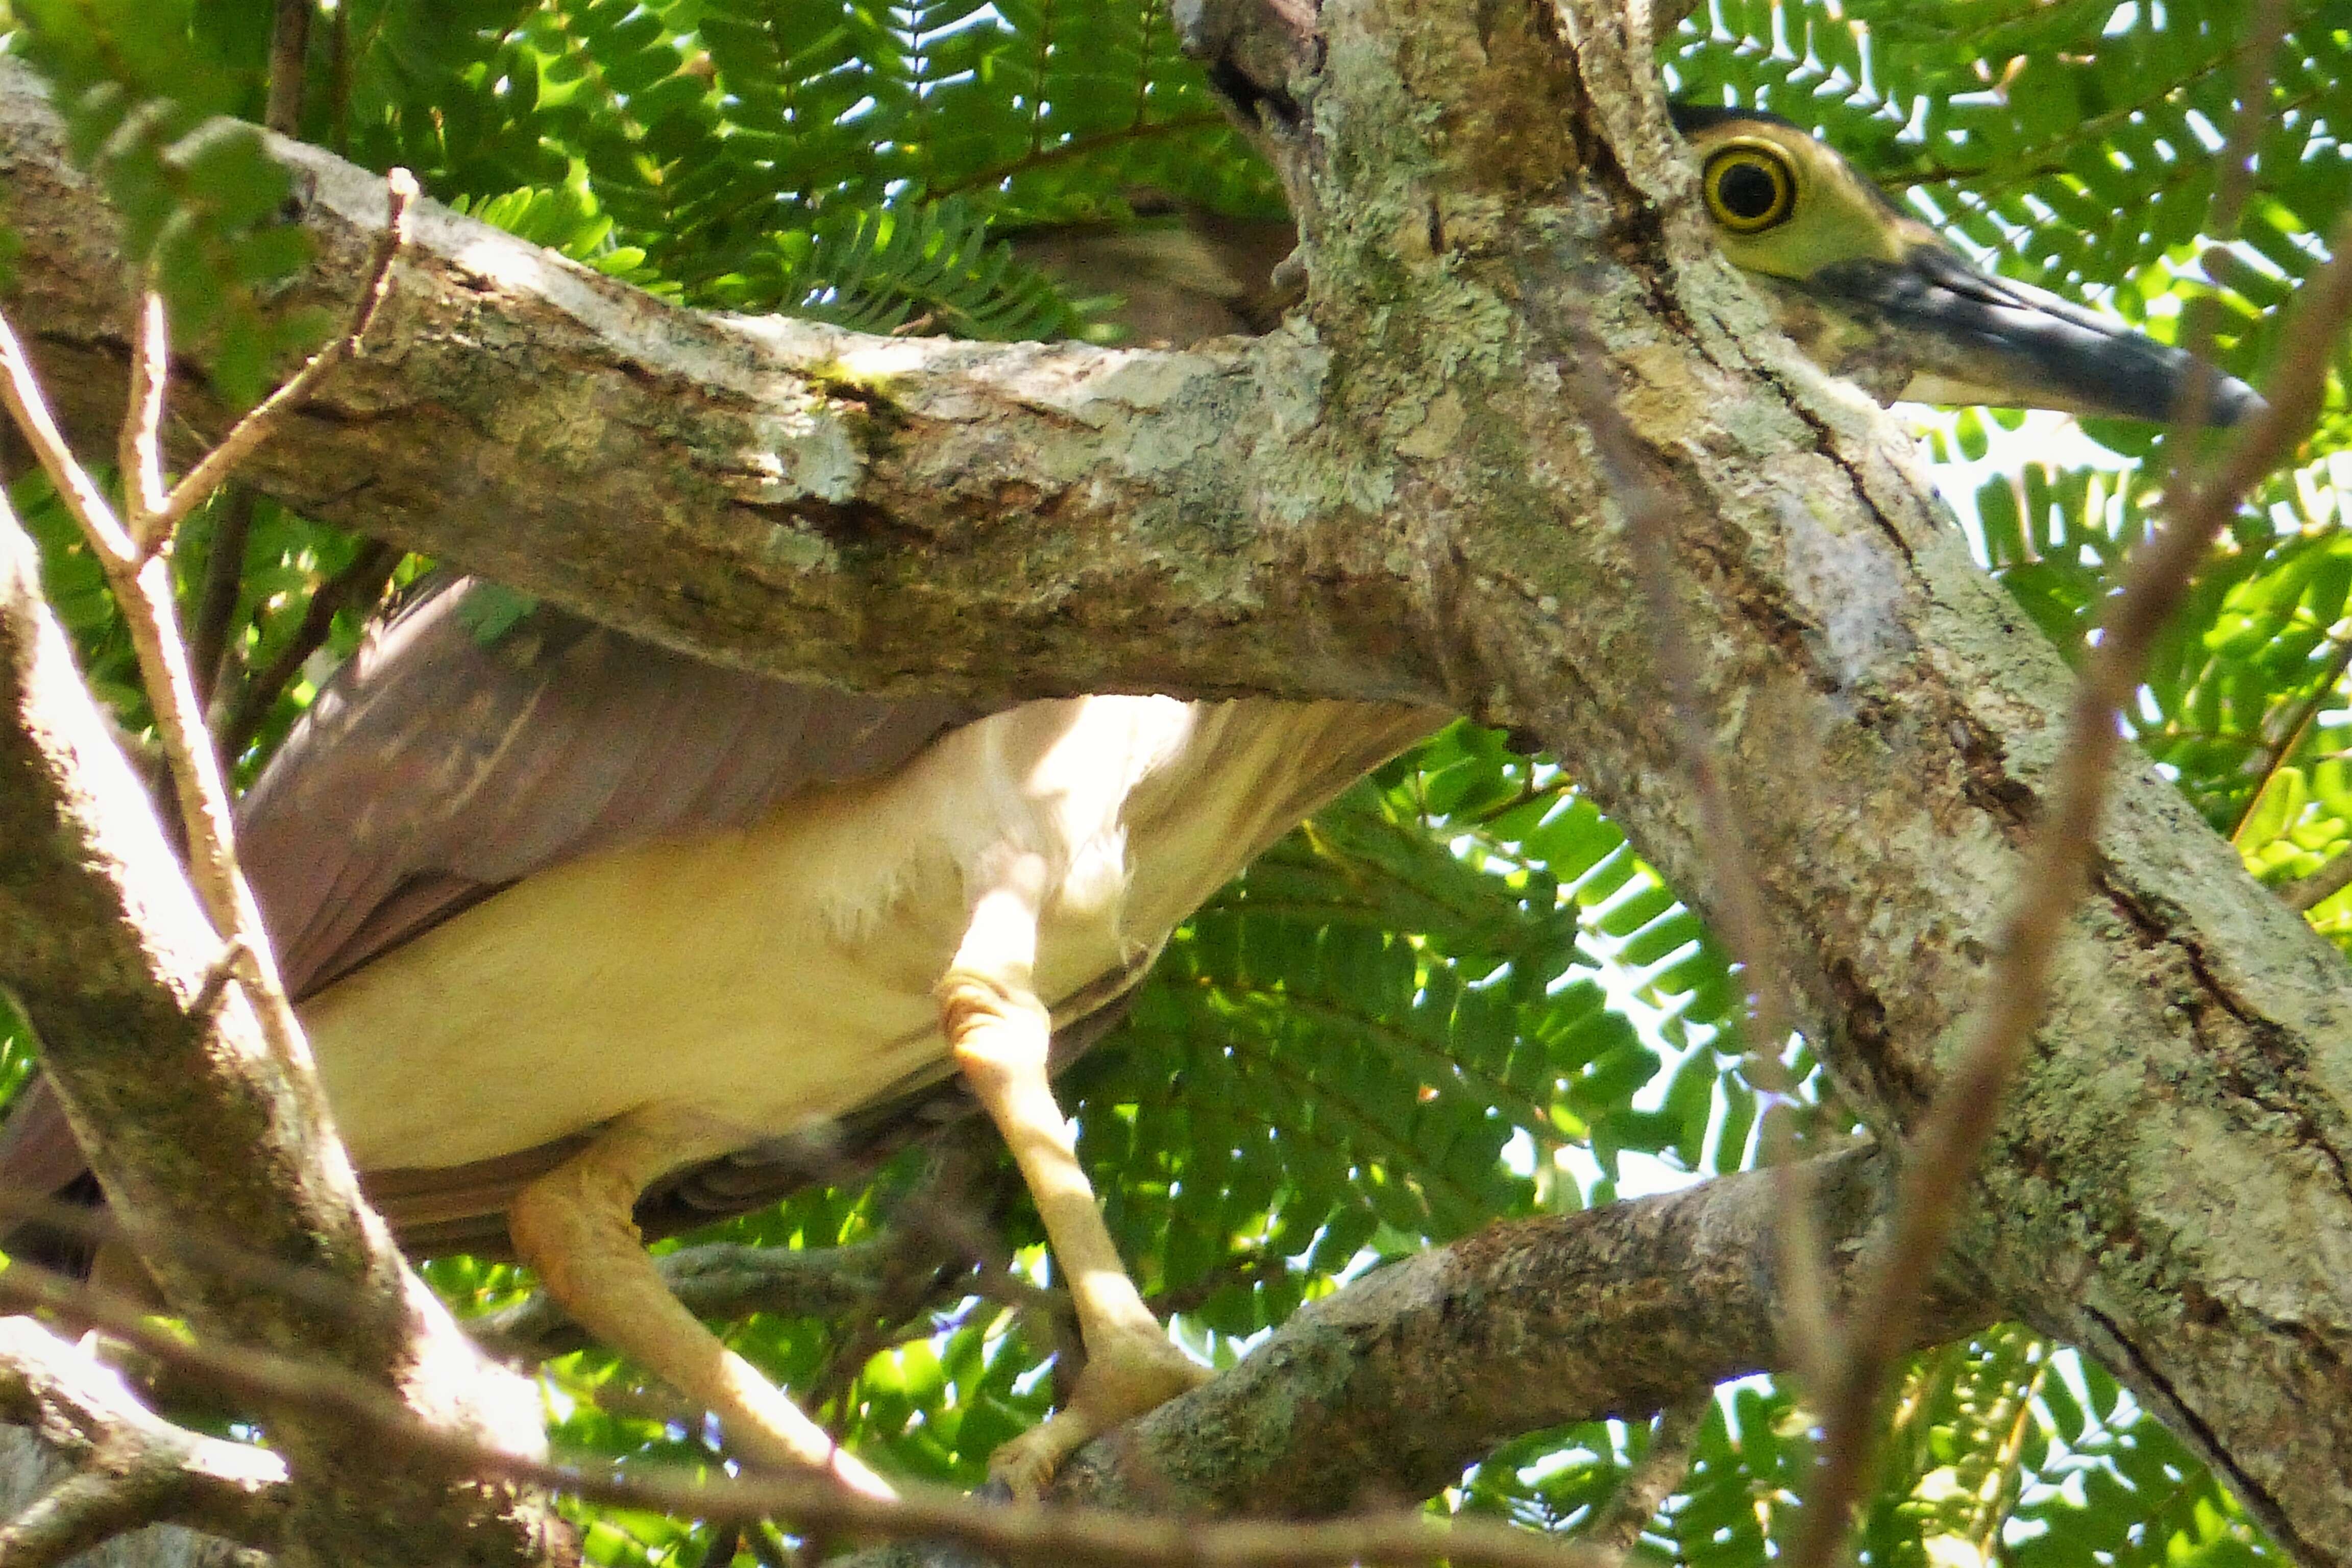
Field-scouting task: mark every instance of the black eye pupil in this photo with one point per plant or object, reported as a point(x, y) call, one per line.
point(1747, 190)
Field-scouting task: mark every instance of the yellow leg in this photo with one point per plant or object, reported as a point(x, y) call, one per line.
point(1000, 1032)
point(574, 1226)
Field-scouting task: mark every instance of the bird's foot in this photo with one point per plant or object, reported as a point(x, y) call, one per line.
point(1135, 1373)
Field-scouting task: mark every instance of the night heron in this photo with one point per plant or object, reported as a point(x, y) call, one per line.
point(1862, 286)
point(582, 929)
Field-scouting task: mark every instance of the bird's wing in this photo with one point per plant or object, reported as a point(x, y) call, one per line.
point(476, 739)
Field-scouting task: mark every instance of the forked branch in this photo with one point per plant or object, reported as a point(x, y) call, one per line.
point(132, 1467)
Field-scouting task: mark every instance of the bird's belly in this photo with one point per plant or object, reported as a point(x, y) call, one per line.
point(755, 980)
point(687, 977)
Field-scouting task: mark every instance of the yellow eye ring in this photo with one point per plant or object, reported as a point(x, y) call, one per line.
point(1750, 187)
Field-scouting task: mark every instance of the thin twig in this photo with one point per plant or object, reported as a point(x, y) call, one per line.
point(356, 587)
point(2321, 884)
point(1618, 1527)
point(141, 581)
point(250, 432)
point(140, 440)
point(289, 54)
point(209, 654)
point(726, 1540)
point(721, 1280)
point(2057, 867)
point(21, 390)
point(2275, 752)
point(1994, 1503)
point(1080, 147)
point(912, 1276)
point(1738, 913)
point(1058, 1534)
point(138, 567)
point(217, 975)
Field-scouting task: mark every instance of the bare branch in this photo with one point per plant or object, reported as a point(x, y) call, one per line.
point(139, 451)
point(1654, 1479)
point(2321, 884)
point(719, 1281)
point(141, 577)
point(2283, 739)
point(133, 1467)
point(289, 53)
point(1388, 1388)
point(22, 392)
point(357, 587)
point(209, 654)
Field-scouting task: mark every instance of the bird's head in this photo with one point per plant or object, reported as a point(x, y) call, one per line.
point(1875, 295)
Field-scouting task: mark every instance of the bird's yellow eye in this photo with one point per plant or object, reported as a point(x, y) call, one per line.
point(1749, 188)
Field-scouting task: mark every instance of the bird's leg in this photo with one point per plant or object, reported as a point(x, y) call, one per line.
point(575, 1227)
point(1000, 1033)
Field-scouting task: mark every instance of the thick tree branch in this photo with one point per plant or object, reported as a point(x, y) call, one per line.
point(1383, 1392)
point(1654, 1477)
point(789, 495)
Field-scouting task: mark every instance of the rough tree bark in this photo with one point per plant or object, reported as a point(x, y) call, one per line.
point(28, 1468)
point(1390, 497)
point(189, 1122)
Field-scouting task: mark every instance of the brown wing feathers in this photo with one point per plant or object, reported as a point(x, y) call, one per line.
point(445, 763)
point(453, 756)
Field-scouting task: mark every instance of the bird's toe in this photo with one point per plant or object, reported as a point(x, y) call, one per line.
point(1025, 1465)
point(1131, 1376)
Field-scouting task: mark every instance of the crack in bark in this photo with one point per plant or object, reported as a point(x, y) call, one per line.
point(2266, 1509)
point(2287, 1094)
